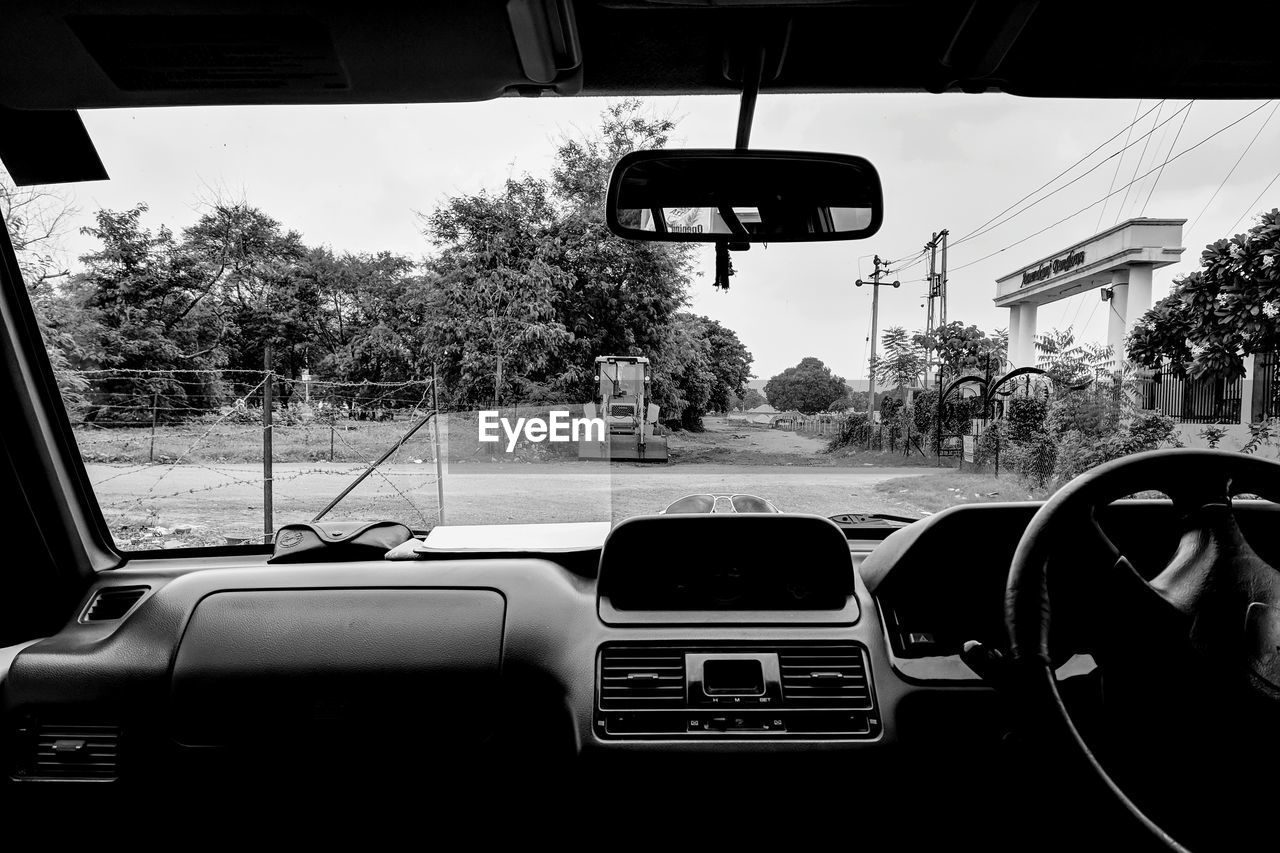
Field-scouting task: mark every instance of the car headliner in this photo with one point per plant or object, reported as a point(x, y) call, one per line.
point(59, 56)
point(62, 54)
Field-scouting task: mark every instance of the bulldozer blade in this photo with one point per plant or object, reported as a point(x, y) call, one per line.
point(625, 448)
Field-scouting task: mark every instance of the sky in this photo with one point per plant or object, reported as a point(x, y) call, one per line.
point(353, 178)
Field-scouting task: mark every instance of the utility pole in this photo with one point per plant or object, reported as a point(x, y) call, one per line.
point(929, 296)
point(942, 278)
point(937, 247)
point(881, 270)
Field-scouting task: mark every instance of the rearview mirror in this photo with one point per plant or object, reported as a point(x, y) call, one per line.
point(726, 195)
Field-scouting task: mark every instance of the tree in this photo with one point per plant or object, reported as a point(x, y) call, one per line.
point(751, 398)
point(35, 219)
point(560, 290)
point(961, 349)
point(903, 359)
point(683, 377)
point(808, 387)
point(1220, 313)
point(730, 364)
point(376, 317)
point(1070, 363)
point(495, 288)
point(145, 295)
point(624, 294)
point(248, 266)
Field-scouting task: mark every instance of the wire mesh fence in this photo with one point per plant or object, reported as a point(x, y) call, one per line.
point(183, 458)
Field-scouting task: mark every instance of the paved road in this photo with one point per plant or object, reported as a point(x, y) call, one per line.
point(228, 497)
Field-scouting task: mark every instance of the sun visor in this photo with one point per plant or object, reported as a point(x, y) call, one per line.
point(125, 54)
point(47, 147)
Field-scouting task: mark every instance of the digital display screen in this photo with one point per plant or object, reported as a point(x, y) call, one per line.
point(732, 677)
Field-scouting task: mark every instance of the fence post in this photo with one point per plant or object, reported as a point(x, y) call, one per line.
point(435, 441)
point(332, 427)
point(155, 405)
point(268, 527)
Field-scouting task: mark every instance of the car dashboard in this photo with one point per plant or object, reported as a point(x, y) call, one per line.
point(742, 635)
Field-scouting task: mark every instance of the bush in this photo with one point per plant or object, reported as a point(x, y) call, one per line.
point(1026, 418)
point(1076, 454)
point(1034, 459)
point(1145, 431)
point(987, 449)
point(925, 411)
point(1079, 451)
point(1213, 435)
point(851, 431)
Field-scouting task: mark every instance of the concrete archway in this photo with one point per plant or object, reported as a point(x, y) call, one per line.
point(1119, 261)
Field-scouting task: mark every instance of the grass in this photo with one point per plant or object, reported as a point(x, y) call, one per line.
point(936, 492)
point(885, 459)
point(352, 441)
point(211, 441)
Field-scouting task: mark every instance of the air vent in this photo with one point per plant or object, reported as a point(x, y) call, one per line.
point(113, 603)
point(824, 677)
point(635, 677)
point(73, 752)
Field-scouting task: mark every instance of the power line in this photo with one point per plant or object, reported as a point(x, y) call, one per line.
point(1081, 176)
point(1091, 313)
point(1155, 155)
point(1069, 217)
point(1047, 183)
point(1172, 146)
point(1116, 173)
point(1128, 128)
point(1234, 165)
point(1254, 202)
point(1138, 165)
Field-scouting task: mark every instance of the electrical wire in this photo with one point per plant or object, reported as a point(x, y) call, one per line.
point(1116, 173)
point(1234, 166)
point(1254, 202)
point(1155, 155)
point(1137, 166)
point(1087, 207)
point(1146, 136)
point(1172, 146)
point(1127, 129)
point(1090, 320)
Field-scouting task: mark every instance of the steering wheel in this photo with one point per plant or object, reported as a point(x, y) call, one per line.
point(1215, 608)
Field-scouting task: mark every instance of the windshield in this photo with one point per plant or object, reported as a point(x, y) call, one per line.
point(417, 313)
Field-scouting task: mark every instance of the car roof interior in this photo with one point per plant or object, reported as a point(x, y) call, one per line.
point(65, 55)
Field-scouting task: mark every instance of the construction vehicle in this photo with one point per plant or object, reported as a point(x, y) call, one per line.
point(623, 404)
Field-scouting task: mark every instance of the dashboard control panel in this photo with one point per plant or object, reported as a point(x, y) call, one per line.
point(735, 690)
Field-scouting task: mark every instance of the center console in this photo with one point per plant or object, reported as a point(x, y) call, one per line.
point(730, 572)
point(718, 690)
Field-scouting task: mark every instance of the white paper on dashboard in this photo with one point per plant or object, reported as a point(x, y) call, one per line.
point(497, 538)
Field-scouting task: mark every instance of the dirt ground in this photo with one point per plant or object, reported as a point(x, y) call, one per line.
point(730, 440)
point(204, 503)
point(192, 504)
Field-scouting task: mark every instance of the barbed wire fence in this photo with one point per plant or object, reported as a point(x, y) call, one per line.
point(216, 422)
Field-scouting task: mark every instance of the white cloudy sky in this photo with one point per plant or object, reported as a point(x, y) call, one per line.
point(353, 177)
